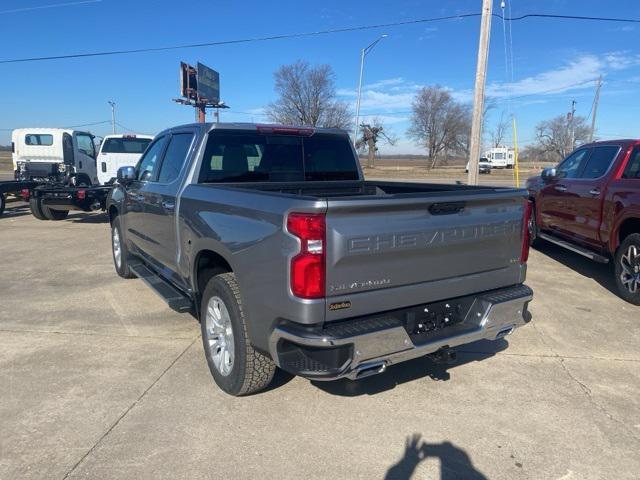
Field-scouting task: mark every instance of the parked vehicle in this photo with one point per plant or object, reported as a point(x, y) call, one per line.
point(484, 166)
point(500, 157)
point(118, 151)
point(53, 154)
point(272, 238)
point(590, 204)
point(55, 169)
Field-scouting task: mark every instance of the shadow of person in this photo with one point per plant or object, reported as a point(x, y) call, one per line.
point(413, 370)
point(455, 463)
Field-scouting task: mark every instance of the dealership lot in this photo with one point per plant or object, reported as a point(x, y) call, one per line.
point(101, 380)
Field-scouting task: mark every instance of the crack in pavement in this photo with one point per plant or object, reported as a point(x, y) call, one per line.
point(126, 412)
point(585, 389)
point(94, 334)
point(541, 355)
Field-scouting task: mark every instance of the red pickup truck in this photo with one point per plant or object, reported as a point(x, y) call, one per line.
point(590, 204)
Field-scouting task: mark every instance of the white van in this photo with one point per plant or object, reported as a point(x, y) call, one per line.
point(54, 154)
point(119, 151)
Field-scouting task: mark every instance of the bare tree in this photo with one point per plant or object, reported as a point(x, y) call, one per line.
point(499, 131)
point(370, 135)
point(560, 135)
point(439, 123)
point(307, 96)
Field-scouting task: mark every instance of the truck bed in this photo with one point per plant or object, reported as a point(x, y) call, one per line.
point(330, 190)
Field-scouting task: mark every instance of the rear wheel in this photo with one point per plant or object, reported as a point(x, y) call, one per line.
point(235, 365)
point(533, 228)
point(627, 269)
point(3, 202)
point(53, 214)
point(35, 204)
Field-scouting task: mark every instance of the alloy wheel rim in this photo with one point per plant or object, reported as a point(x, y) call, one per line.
point(630, 273)
point(117, 249)
point(220, 336)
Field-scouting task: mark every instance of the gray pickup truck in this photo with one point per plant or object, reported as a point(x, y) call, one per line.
point(272, 238)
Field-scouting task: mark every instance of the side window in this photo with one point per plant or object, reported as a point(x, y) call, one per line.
point(572, 165)
point(85, 144)
point(633, 167)
point(175, 157)
point(147, 166)
point(600, 161)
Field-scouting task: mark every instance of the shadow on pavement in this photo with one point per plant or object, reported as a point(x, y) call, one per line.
point(455, 463)
point(16, 211)
point(413, 370)
point(601, 273)
point(82, 217)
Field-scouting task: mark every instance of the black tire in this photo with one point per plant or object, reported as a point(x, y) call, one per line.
point(250, 370)
point(35, 204)
point(53, 214)
point(533, 228)
point(627, 268)
point(3, 203)
point(80, 180)
point(121, 265)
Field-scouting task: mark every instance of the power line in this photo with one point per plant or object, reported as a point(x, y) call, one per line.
point(88, 124)
point(54, 5)
point(311, 34)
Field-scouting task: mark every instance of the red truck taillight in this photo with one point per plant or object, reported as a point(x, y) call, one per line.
point(308, 266)
point(526, 220)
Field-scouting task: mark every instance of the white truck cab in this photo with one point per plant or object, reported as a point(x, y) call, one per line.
point(119, 151)
point(51, 154)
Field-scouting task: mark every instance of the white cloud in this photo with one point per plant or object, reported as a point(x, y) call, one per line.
point(386, 83)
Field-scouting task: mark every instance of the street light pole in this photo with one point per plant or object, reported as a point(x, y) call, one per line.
point(113, 116)
point(363, 53)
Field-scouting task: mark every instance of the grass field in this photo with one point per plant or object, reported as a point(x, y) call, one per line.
point(5, 162)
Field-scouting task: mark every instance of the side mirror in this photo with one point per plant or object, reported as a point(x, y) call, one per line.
point(549, 174)
point(126, 175)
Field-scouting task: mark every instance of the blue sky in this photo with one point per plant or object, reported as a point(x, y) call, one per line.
point(549, 56)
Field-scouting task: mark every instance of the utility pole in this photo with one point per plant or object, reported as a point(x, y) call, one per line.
point(596, 100)
point(113, 116)
point(572, 132)
point(478, 96)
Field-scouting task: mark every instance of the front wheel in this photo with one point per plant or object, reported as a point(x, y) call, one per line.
point(237, 368)
point(120, 251)
point(627, 269)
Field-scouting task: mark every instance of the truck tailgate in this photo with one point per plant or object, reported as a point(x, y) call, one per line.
point(384, 253)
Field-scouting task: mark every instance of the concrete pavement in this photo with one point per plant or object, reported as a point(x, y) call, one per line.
point(99, 379)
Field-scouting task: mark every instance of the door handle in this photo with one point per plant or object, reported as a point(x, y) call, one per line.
point(561, 188)
point(594, 191)
point(168, 205)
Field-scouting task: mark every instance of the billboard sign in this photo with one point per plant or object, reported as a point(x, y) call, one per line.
point(208, 86)
point(188, 81)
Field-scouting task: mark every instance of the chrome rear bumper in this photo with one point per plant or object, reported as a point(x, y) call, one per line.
point(366, 346)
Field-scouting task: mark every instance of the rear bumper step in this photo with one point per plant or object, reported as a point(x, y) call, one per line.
point(596, 257)
point(174, 298)
point(368, 345)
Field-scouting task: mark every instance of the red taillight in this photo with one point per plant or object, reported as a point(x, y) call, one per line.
point(82, 194)
point(25, 193)
point(308, 266)
point(526, 220)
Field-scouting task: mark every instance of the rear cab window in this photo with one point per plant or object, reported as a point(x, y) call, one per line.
point(39, 139)
point(251, 156)
point(599, 161)
point(632, 170)
point(125, 145)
